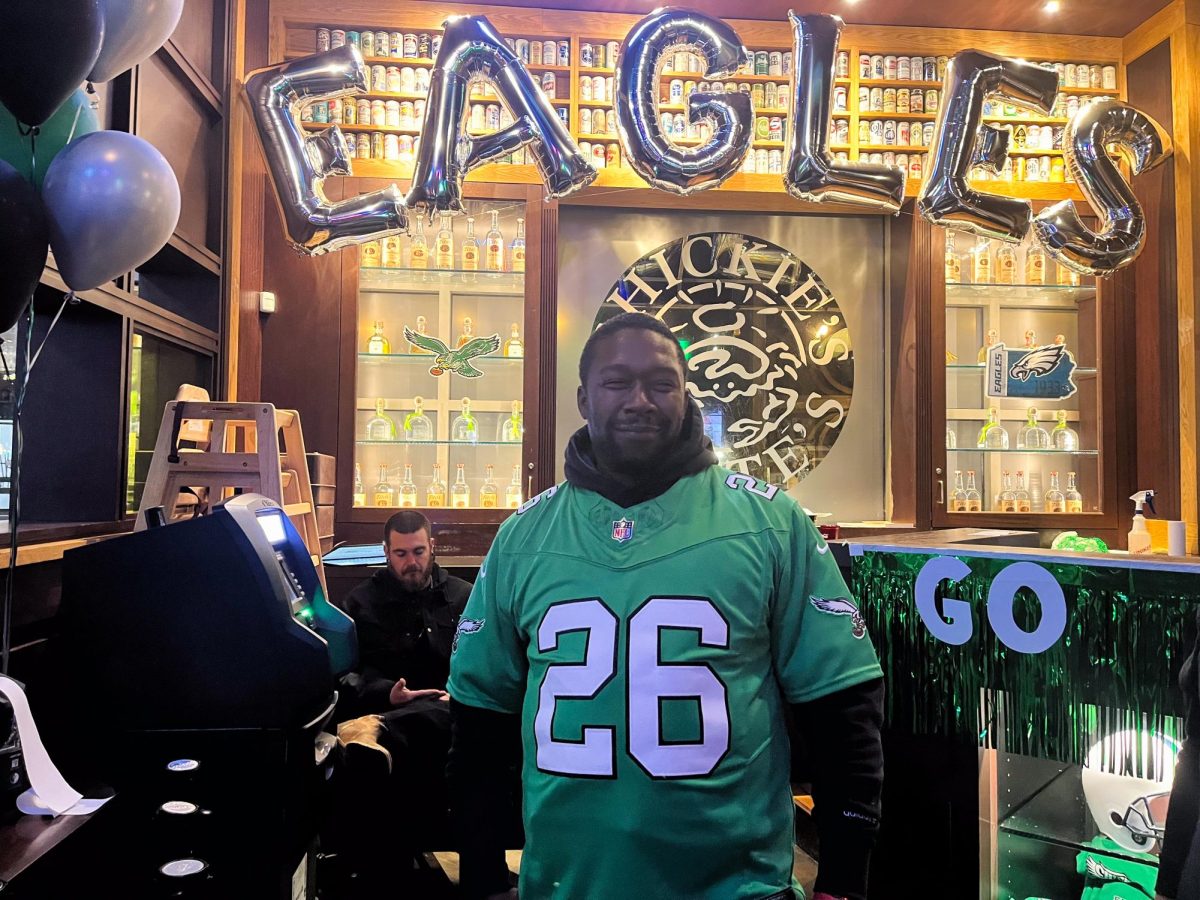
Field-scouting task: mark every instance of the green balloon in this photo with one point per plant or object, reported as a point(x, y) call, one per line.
point(71, 120)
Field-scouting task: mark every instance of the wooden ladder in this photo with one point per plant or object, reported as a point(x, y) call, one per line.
point(235, 448)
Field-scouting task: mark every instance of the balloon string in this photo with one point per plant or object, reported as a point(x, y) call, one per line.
point(32, 132)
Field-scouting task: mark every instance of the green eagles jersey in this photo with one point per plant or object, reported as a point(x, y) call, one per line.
point(649, 651)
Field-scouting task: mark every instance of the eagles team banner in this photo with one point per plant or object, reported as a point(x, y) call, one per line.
point(1041, 373)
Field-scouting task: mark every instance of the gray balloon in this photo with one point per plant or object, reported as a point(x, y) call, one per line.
point(961, 141)
point(112, 202)
point(1097, 127)
point(300, 164)
point(133, 29)
point(657, 159)
point(812, 173)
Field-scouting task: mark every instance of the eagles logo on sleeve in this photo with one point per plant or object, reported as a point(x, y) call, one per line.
point(465, 626)
point(840, 606)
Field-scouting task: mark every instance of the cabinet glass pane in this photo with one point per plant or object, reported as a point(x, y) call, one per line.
point(1022, 398)
point(445, 399)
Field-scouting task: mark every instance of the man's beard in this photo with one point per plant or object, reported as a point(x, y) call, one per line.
point(414, 578)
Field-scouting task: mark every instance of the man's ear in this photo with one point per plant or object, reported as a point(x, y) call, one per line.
point(581, 402)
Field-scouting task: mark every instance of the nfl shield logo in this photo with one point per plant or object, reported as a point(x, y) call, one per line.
point(622, 530)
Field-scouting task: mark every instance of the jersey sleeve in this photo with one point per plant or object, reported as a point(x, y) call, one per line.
point(488, 664)
point(819, 640)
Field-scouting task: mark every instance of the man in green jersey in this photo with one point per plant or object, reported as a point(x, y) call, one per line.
point(642, 627)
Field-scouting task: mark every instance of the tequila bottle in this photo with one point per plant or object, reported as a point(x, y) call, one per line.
point(382, 495)
point(460, 492)
point(418, 250)
point(518, 247)
point(512, 429)
point(1067, 276)
point(408, 490)
point(992, 339)
point(512, 493)
point(1007, 501)
point(958, 500)
point(1024, 503)
point(378, 342)
point(417, 426)
point(360, 492)
point(368, 255)
point(435, 494)
point(1074, 498)
point(1056, 501)
point(470, 248)
point(514, 347)
point(420, 329)
point(488, 495)
point(493, 244)
point(443, 256)
point(953, 263)
point(1006, 264)
point(381, 427)
point(1030, 339)
point(1035, 265)
point(1064, 437)
point(1032, 436)
point(951, 439)
point(974, 501)
point(465, 426)
point(468, 331)
point(993, 436)
point(983, 262)
point(393, 257)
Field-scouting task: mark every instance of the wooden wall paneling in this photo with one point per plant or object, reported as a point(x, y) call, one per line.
point(197, 34)
point(542, 328)
point(901, 363)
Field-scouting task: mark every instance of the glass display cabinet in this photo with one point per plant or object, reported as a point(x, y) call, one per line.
point(1023, 389)
point(440, 364)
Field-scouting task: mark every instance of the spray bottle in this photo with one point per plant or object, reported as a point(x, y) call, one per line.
point(1139, 535)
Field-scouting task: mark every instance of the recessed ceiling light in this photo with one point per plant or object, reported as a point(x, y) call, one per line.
point(1052, 6)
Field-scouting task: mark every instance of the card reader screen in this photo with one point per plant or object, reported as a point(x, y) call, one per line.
point(272, 526)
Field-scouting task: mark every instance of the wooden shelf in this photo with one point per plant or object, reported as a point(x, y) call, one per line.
point(924, 117)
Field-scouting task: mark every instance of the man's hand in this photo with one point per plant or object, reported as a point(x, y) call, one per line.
point(401, 695)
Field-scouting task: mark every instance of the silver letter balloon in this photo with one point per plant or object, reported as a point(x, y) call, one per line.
point(299, 164)
point(960, 143)
point(662, 163)
point(1097, 127)
point(812, 173)
point(472, 49)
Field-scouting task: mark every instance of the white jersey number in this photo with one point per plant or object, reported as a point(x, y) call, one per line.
point(649, 681)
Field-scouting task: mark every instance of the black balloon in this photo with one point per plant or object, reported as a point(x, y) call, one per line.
point(23, 244)
point(49, 48)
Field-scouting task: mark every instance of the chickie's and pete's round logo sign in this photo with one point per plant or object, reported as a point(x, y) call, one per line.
point(768, 350)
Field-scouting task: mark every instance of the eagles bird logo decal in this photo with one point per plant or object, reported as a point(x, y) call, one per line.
point(1041, 361)
point(842, 607)
point(466, 626)
point(456, 361)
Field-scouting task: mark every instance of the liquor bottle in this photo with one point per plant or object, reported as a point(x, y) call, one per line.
point(435, 494)
point(983, 262)
point(465, 427)
point(378, 342)
point(360, 492)
point(443, 255)
point(512, 429)
point(408, 490)
point(1074, 498)
point(392, 257)
point(992, 339)
point(368, 255)
point(1006, 264)
point(1030, 339)
point(1035, 265)
point(382, 495)
point(1007, 500)
point(517, 249)
point(1060, 339)
point(470, 248)
point(1056, 502)
point(468, 331)
point(974, 502)
point(514, 346)
point(418, 250)
point(420, 329)
point(381, 427)
point(489, 497)
point(951, 439)
point(1067, 276)
point(493, 246)
point(417, 426)
point(1064, 437)
point(958, 500)
point(460, 492)
point(992, 436)
point(1024, 503)
point(953, 263)
point(1036, 496)
point(1032, 436)
point(512, 493)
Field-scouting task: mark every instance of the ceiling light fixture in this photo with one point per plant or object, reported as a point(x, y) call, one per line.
point(1052, 6)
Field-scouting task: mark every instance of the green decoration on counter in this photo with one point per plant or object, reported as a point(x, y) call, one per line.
point(1115, 667)
point(1070, 540)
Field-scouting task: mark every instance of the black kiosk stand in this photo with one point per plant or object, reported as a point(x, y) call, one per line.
point(208, 656)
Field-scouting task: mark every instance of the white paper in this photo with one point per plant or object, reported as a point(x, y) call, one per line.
point(48, 794)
